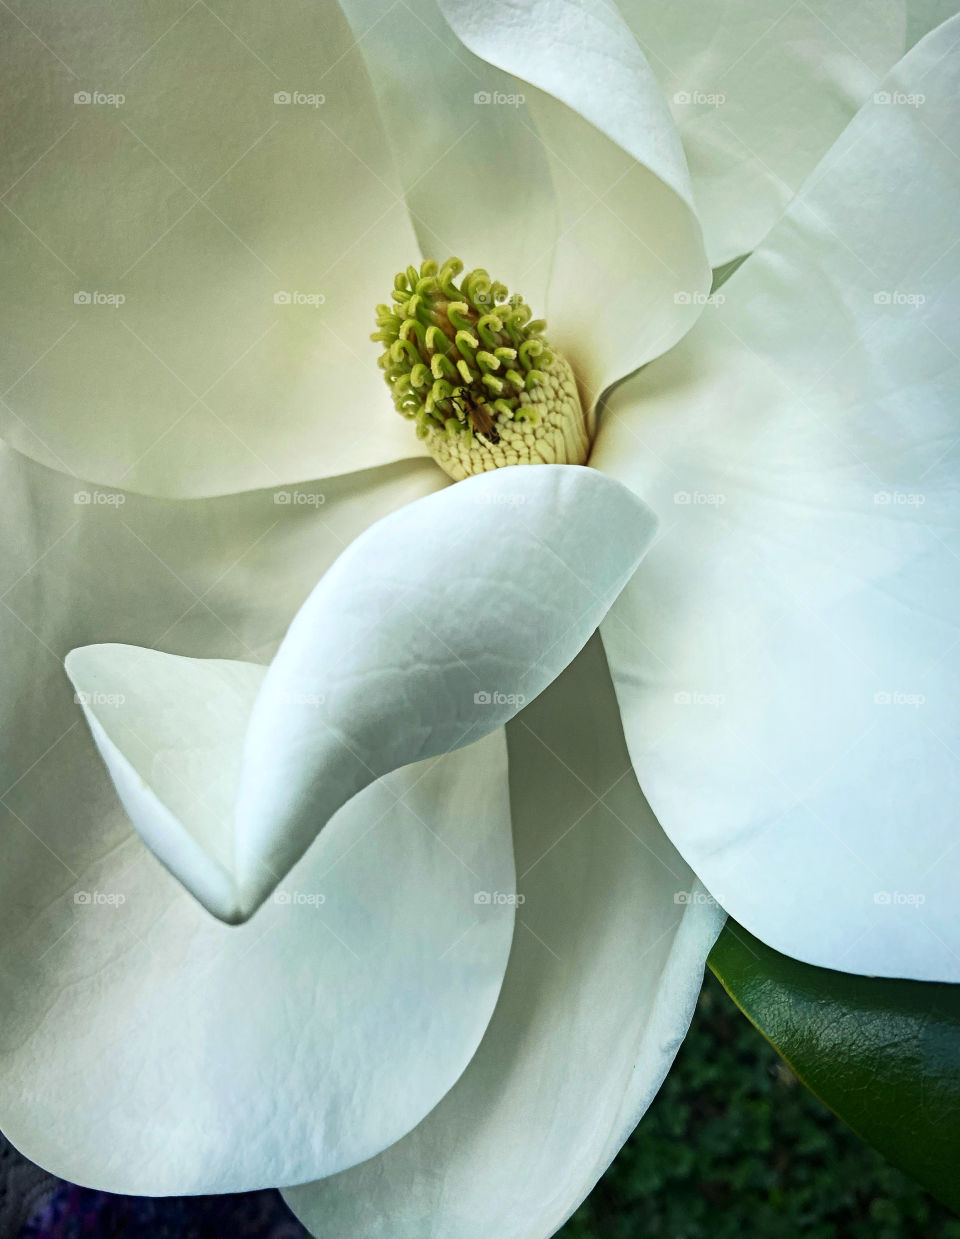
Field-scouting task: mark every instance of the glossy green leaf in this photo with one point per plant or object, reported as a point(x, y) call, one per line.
point(884, 1055)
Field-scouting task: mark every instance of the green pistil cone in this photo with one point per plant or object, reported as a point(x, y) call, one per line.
point(469, 365)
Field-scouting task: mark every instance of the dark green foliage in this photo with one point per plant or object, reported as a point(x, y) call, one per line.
point(734, 1147)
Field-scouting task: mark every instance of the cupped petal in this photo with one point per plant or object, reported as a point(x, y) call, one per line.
point(534, 142)
point(611, 938)
point(147, 1048)
point(786, 657)
point(407, 648)
point(431, 630)
point(158, 1051)
point(475, 177)
point(170, 731)
point(200, 213)
point(761, 90)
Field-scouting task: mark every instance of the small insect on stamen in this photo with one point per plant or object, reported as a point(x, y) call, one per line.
point(466, 403)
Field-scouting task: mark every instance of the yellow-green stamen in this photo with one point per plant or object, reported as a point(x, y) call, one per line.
point(471, 367)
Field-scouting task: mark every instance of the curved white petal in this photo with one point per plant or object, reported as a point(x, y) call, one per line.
point(536, 144)
point(410, 646)
point(148, 1048)
point(170, 731)
point(602, 982)
point(250, 239)
point(431, 630)
point(760, 91)
point(786, 658)
point(474, 174)
point(158, 1051)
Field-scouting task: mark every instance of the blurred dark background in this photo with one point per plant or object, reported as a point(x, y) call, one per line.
point(734, 1147)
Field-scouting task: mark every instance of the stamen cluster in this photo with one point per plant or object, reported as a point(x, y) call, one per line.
point(452, 350)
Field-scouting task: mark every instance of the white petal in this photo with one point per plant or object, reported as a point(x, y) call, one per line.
point(431, 630)
point(760, 90)
point(159, 1051)
point(413, 644)
point(925, 15)
point(536, 144)
point(201, 201)
point(475, 177)
point(602, 982)
point(171, 731)
point(787, 656)
point(148, 1048)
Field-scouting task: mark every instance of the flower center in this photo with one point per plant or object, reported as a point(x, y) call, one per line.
point(472, 368)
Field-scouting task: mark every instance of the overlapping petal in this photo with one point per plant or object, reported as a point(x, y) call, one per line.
point(159, 1051)
point(406, 649)
point(148, 1048)
point(760, 91)
point(784, 662)
point(786, 657)
point(606, 966)
point(536, 144)
point(241, 199)
point(193, 259)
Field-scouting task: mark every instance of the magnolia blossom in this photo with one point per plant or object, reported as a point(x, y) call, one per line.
point(423, 972)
